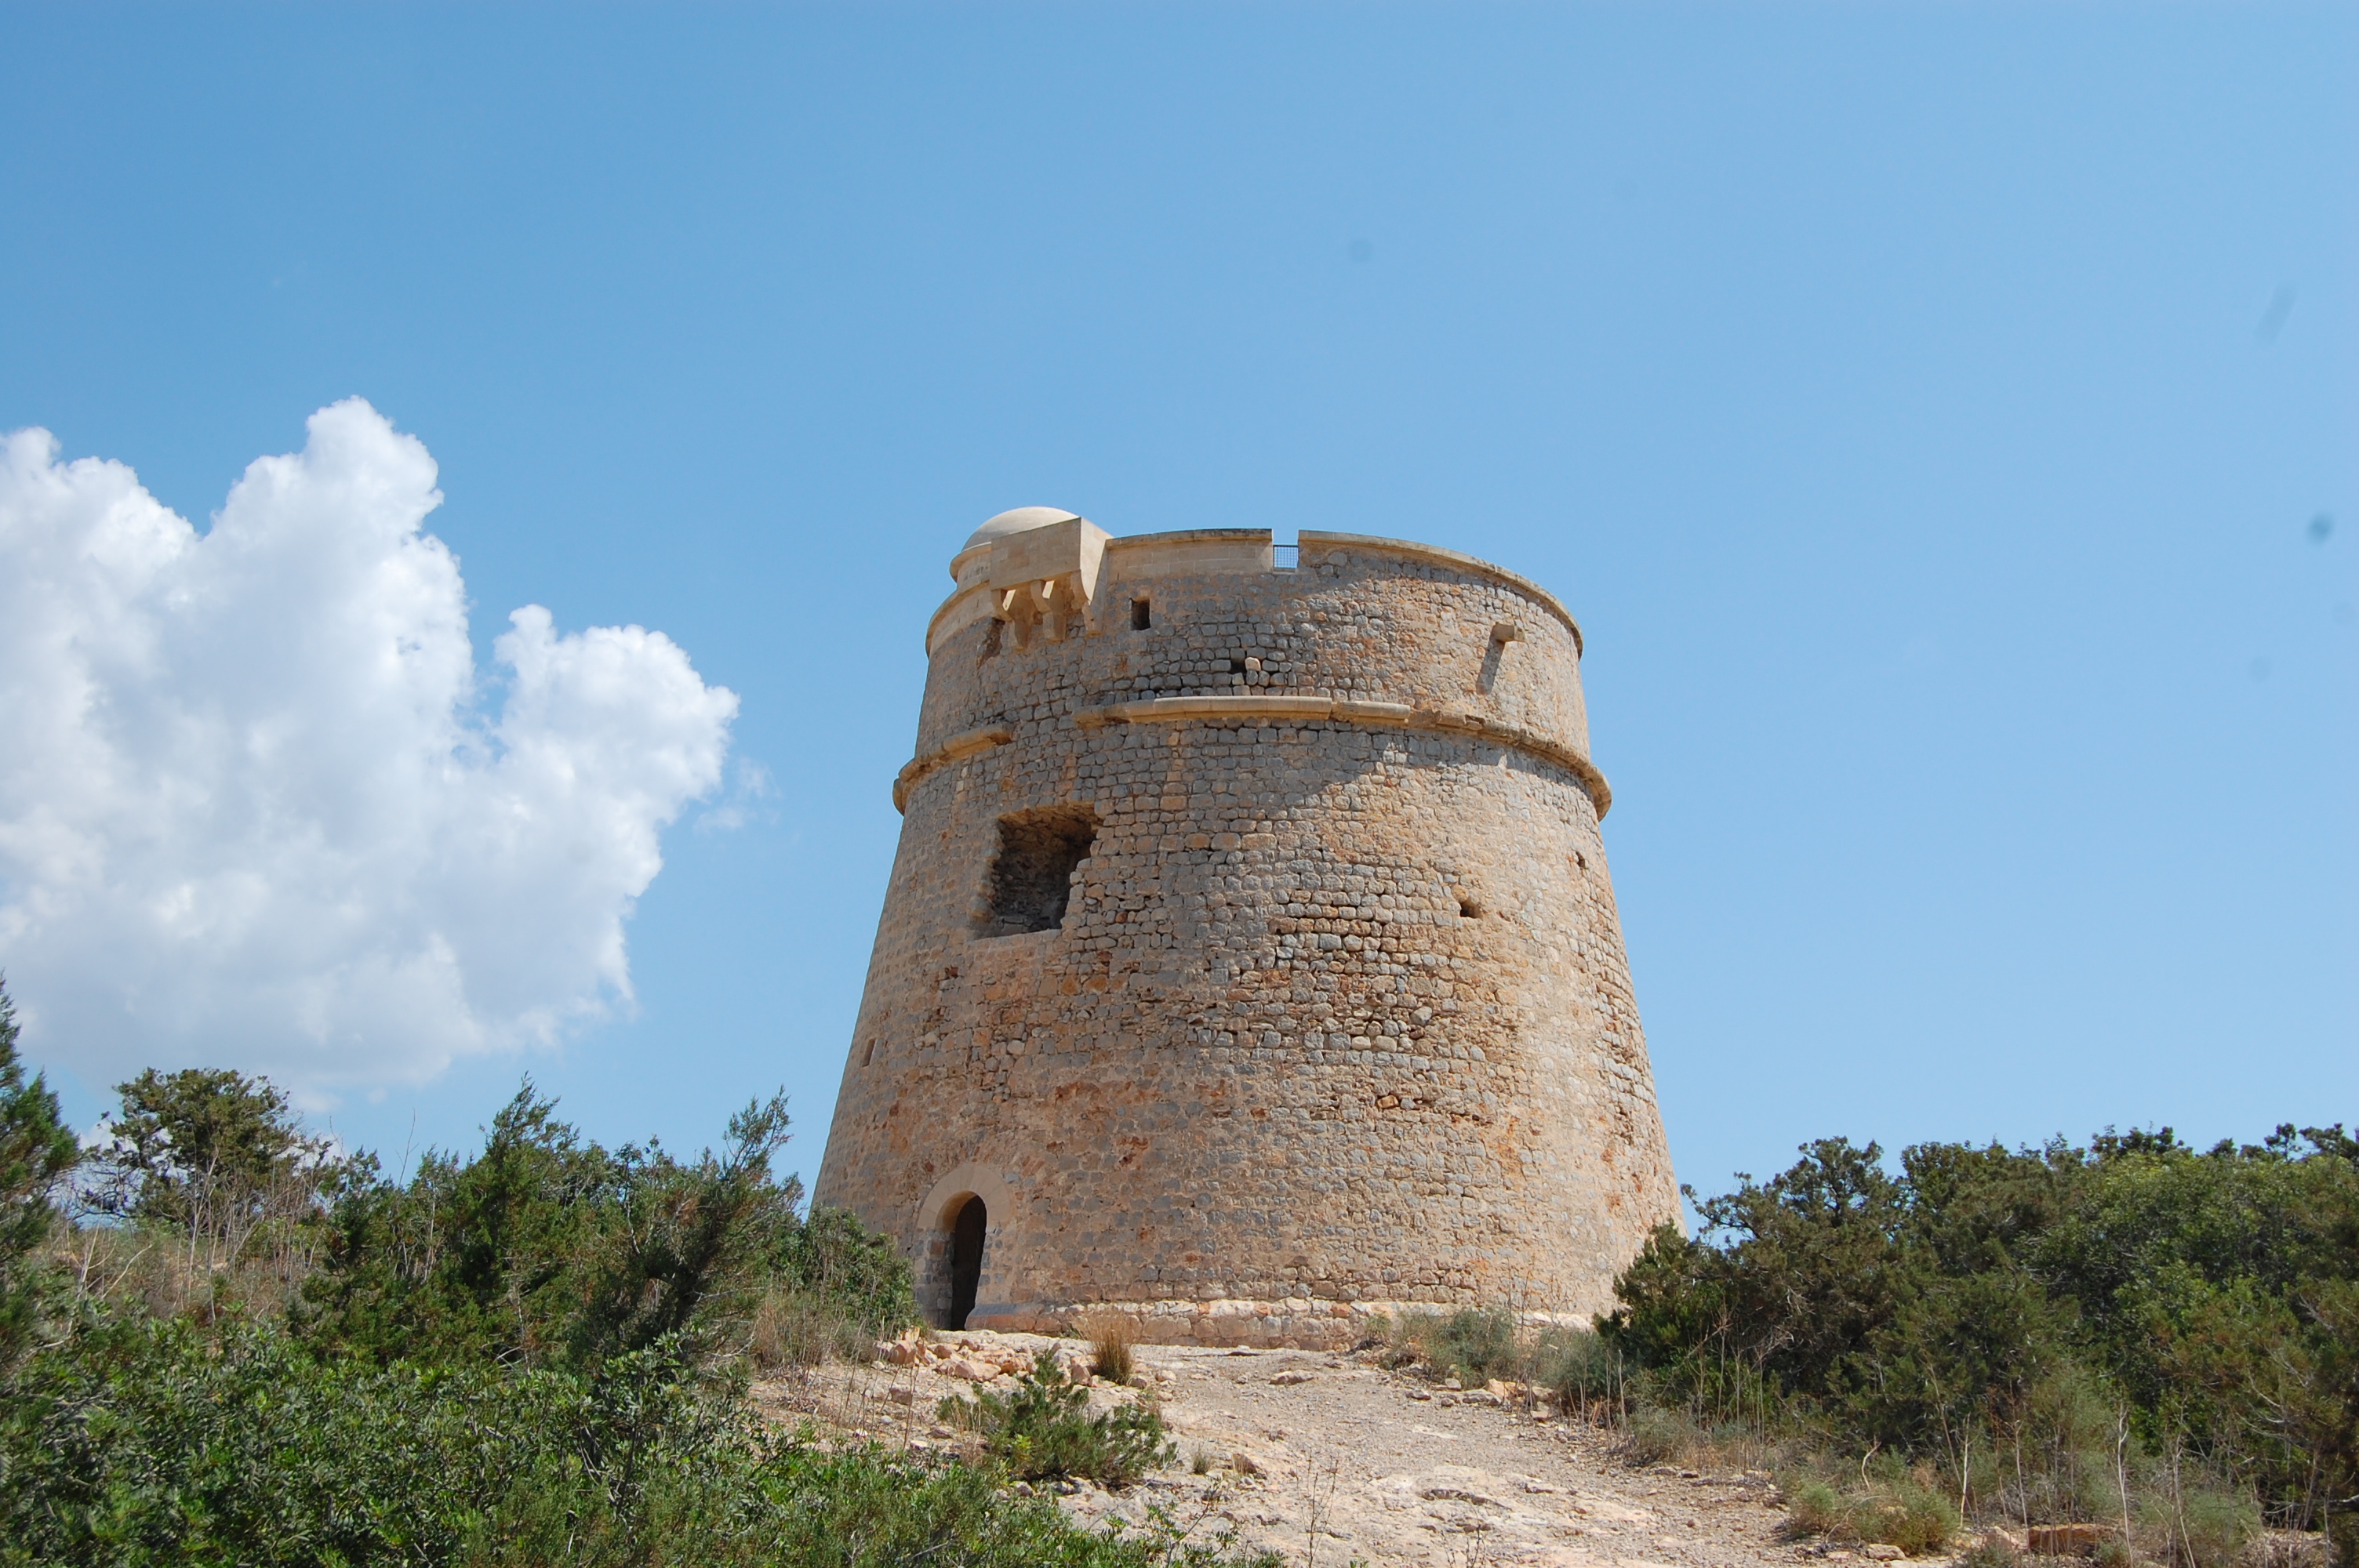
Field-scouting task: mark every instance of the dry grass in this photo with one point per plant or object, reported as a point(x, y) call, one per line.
point(1112, 1338)
point(251, 1265)
point(1901, 1513)
point(797, 1329)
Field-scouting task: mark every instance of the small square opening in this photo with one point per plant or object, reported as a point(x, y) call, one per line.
point(1032, 874)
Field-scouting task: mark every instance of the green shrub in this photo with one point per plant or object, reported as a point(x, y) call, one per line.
point(142, 1443)
point(1043, 1429)
point(800, 1328)
point(145, 1442)
point(1814, 1508)
point(1578, 1369)
point(831, 1258)
point(2036, 1325)
point(1654, 1435)
point(1913, 1517)
point(1477, 1345)
point(548, 1250)
point(1904, 1514)
point(1474, 1345)
point(2197, 1521)
point(799, 1508)
point(861, 1510)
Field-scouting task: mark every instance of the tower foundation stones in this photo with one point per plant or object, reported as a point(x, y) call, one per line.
point(1250, 963)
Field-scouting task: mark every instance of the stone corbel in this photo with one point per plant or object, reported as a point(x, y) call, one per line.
point(1044, 579)
point(1045, 605)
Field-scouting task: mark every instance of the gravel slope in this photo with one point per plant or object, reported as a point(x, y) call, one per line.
point(1327, 1458)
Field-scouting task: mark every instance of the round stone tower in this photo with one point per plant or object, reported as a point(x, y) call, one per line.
point(1249, 963)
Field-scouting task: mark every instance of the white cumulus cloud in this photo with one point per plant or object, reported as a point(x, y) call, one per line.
point(258, 810)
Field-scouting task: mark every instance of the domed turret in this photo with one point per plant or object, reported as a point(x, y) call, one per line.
point(1015, 520)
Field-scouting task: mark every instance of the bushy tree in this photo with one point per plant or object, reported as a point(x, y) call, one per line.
point(850, 1270)
point(547, 1249)
point(187, 1147)
point(37, 1150)
point(2209, 1297)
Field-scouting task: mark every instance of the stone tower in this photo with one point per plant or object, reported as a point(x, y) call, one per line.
point(1249, 963)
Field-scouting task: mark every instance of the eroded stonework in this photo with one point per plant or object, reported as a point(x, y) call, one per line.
point(1334, 1016)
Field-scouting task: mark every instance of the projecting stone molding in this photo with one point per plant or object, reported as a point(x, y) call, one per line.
point(1295, 709)
point(1342, 710)
point(956, 748)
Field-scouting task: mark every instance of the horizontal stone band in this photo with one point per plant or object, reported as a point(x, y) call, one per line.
point(1336, 709)
point(956, 748)
point(1299, 709)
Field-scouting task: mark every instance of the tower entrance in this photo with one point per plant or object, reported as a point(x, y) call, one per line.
point(966, 1260)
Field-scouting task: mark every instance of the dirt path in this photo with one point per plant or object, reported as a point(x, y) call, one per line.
point(1327, 1458)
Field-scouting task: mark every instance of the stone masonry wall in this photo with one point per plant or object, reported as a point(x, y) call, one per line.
point(1338, 1016)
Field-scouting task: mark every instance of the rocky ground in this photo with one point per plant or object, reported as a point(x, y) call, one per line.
point(1327, 1458)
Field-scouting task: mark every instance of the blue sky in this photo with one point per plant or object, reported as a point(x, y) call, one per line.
point(1941, 420)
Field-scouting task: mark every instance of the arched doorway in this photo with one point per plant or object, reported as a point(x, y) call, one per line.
point(948, 1274)
point(966, 1259)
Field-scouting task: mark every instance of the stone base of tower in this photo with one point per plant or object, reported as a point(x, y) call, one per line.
point(1299, 1323)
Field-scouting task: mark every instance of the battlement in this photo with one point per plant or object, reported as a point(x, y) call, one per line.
point(1064, 562)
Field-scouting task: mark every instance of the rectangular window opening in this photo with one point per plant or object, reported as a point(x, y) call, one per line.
point(1032, 874)
point(1141, 618)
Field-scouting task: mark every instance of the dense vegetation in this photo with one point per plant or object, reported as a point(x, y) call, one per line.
point(248, 1350)
point(2137, 1331)
point(35, 1151)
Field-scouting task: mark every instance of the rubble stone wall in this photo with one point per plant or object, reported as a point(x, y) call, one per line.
point(1337, 1019)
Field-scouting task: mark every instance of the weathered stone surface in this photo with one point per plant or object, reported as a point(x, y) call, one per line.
point(1336, 1018)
